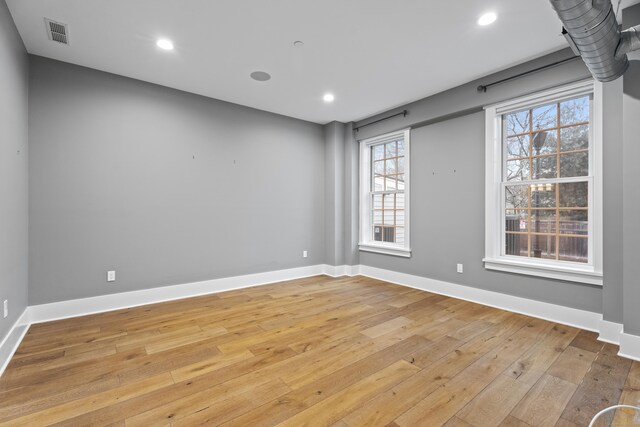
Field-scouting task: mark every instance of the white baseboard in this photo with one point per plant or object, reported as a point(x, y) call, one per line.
point(341, 270)
point(610, 332)
point(84, 306)
point(556, 313)
point(629, 346)
point(10, 343)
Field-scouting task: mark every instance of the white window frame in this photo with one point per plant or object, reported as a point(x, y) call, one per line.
point(366, 243)
point(591, 272)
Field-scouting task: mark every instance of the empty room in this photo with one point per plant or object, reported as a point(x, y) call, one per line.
point(320, 213)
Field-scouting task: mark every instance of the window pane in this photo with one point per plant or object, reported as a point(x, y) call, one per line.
point(574, 195)
point(400, 218)
point(378, 183)
point(391, 167)
point(545, 167)
point(390, 149)
point(401, 182)
point(517, 220)
point(518, 170)
point(574, 222)
point(518, 146)
point(574, 164)
point(517, 244)
point(544, 142)
point(574, 111)
point(574, 249)
point(517, 196)
point(401, 147)
point(378, 168)
point(574, 138)
point(401, 165)
point(389, 201)
point(377, 201)
point(543, 196)
point(400, 201)
point(515, 123)
point(545, 117)
point(389, 234)
point(377, 233)
point(543, 221)
point(388, 218)
point(378, 152)
point(377, 217)
point(543, 246)
point(400, 235)
point(391, 183)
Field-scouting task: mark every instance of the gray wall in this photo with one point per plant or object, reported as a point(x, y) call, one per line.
point(14, 225)
point(162, 186)
point(612, 289)
point(334, 192)
point(448, 135)
point(631, 190)
point(351, 197)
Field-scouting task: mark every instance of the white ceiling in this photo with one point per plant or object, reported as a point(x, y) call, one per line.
point(372, 54)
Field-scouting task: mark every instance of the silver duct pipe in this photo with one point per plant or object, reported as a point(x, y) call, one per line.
point(591, 28)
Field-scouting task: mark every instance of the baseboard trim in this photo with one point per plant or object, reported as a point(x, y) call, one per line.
point(85, 306)
point(629, 346)
point(556, 313)
point(609, 332)
point(341, 270)
point(10, 343)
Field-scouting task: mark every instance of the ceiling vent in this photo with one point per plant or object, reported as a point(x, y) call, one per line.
point(57, 31)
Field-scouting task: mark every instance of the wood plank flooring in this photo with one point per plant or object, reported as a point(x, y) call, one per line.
point(318, 351)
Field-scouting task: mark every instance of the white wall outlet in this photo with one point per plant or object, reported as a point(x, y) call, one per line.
point(5, 309)
point(460, 268)
point(305, 254)
point(111, 276)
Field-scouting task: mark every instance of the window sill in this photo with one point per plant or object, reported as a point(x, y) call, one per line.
point(580, 274)
point(386, 250)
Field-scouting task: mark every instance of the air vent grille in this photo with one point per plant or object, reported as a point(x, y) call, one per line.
point(57, 31)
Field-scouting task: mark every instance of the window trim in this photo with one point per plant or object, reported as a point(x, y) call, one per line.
point(590, 273)
point(366, 244)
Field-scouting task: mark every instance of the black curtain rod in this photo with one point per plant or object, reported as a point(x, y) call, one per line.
point(403, 113)
point(483, 88)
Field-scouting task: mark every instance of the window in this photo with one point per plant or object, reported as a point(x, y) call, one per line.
point(544, 186)
point(384, 194)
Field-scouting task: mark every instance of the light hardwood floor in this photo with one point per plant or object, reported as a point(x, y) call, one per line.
point(316, 351)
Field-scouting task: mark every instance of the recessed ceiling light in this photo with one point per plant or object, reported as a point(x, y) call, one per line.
point(165, 44)
point(260, 76)
point(298, 43)
point(328, 97)
point(487, 19)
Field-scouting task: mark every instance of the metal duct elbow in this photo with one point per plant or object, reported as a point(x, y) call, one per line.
point(592, 30)
point(630, 41)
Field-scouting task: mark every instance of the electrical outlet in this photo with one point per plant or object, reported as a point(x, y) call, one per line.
point(111, 276)
point(305, 254)
point(6, 309)
point(460, 268)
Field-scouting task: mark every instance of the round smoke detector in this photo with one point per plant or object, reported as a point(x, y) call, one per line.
point(260, 76)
